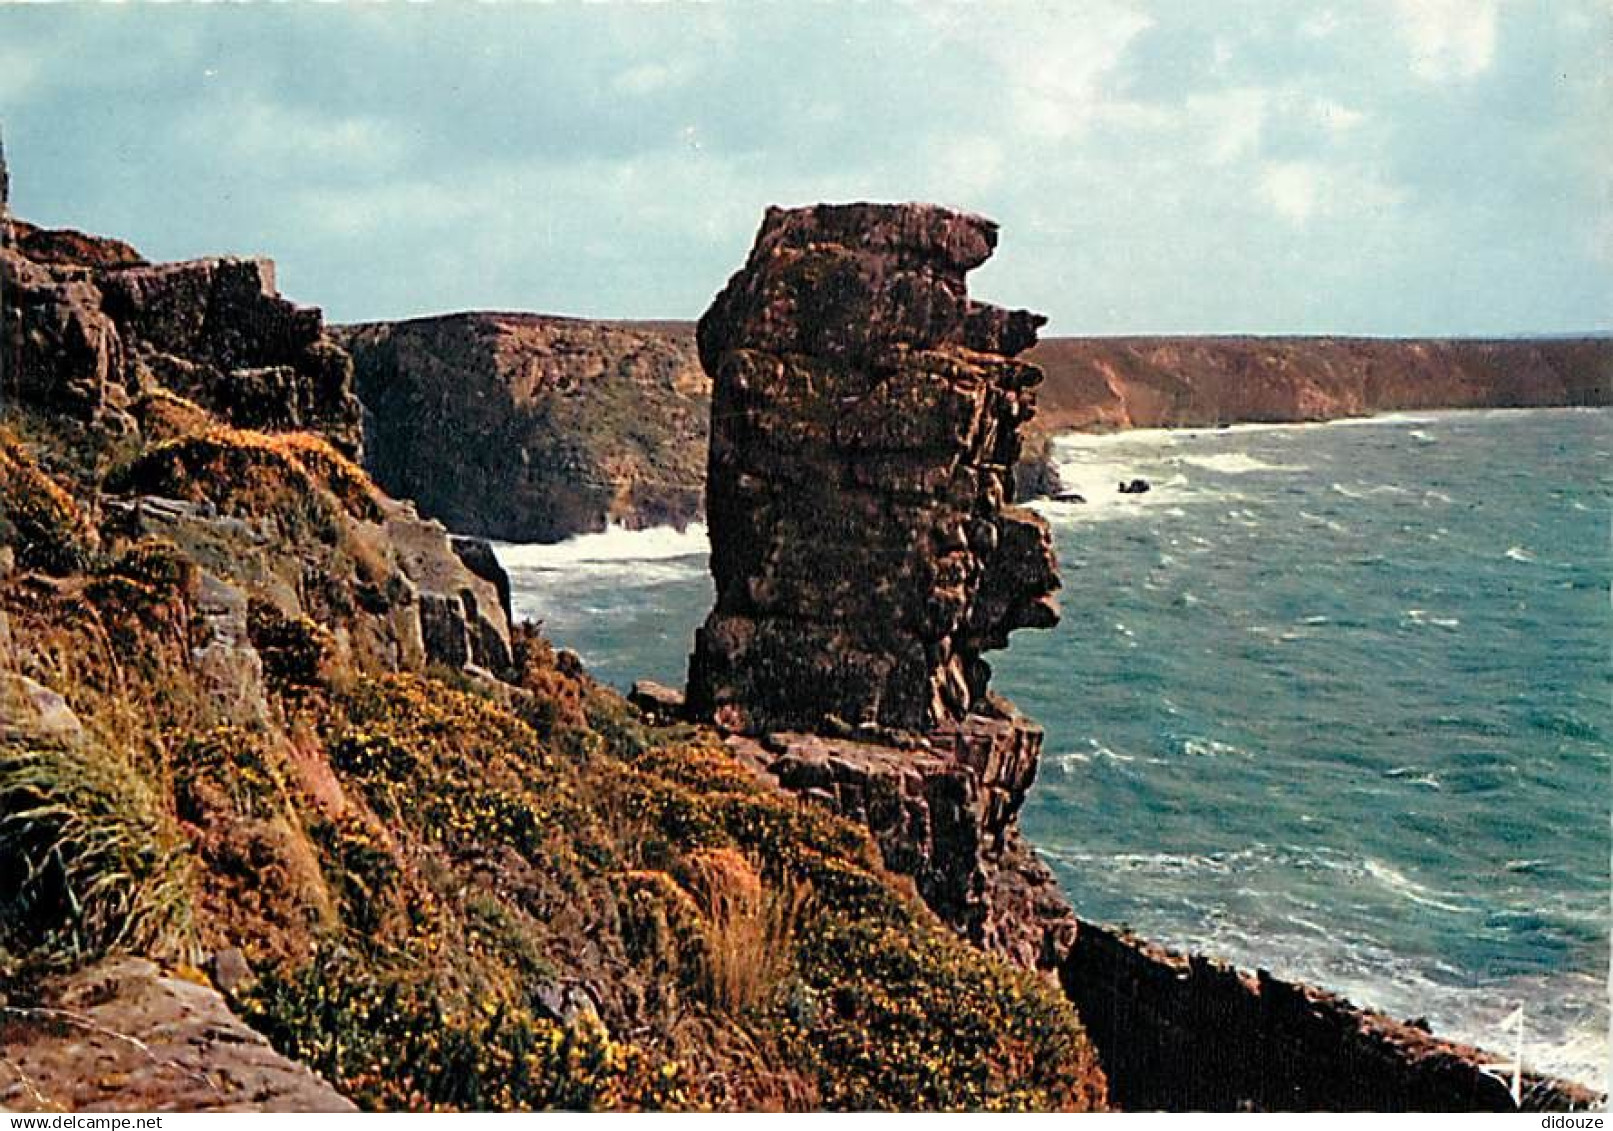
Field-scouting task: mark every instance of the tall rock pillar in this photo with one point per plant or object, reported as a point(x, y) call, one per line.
point(866, 420)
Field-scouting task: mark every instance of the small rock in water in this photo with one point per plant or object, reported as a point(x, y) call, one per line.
point(1134, 487)
point(1071, 497)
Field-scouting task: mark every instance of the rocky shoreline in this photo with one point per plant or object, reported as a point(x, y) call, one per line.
point(379, 845)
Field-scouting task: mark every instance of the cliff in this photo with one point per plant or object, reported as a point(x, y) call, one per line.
point(529, 428)
point(291, 816)
point(1173, 382)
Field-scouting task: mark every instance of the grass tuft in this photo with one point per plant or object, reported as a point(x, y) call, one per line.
point(90, 860)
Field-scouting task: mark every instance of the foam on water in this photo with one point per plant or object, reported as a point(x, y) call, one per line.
point(613, 544)
point(1235, 463)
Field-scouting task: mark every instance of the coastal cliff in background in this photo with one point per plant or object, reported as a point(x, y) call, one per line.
point(1174, 382)
point(529, 428)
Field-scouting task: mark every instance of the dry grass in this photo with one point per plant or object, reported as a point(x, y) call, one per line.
point(252, 473)
point(748, 928)
point(37, 517)
point(92, 861)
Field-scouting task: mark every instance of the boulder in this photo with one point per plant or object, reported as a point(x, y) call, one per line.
point(124, 1036)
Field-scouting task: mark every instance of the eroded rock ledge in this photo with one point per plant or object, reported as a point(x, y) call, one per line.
point(866, 419)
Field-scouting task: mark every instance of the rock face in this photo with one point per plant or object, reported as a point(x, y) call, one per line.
point(1196, 382)
point(157, 359)
point(123, 1036)
point(944, 813)
point(532, 429)
point(1188, 1032)
point(90, 327)
point(866, 420)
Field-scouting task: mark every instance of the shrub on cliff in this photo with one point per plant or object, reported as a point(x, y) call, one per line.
point(90, 857)
point(292, 475)
point(37, 518)
point(706, 902)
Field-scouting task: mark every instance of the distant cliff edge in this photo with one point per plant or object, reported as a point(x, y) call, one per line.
point(1111, 383)
point(533, 428)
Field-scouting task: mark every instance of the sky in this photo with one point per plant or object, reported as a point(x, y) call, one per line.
point(1389, 167)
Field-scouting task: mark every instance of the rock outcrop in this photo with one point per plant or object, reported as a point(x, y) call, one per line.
point(865, 426)
point(124, 1036)
point(90, 327)
point(104, 348)
point(532, 429)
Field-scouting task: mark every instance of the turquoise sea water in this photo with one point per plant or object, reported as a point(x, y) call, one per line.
point(1333, 700)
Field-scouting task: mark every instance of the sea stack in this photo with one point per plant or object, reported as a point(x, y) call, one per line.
point(866, 419)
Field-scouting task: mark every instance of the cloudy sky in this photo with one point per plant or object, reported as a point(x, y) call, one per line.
point(1364, 166)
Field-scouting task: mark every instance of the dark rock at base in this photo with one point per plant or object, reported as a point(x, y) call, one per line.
point(943, 812)
point(479, 558)
point(1186, 1032)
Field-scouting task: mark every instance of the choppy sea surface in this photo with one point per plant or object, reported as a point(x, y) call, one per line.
point(1333, 700)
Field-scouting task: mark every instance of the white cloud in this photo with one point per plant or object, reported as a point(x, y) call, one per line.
point(1301, 191)
point(1293, 188)
point(1230, 121)
point(1052, 64)
point(1448, 39)
point(1335, 118)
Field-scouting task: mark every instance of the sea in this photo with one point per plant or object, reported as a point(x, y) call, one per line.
point(1330, 700)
